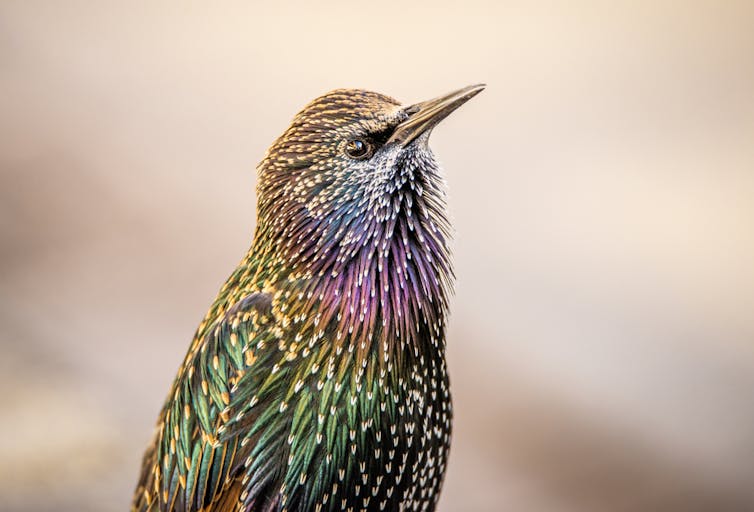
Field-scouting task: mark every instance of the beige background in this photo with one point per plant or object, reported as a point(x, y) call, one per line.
point(602, 339)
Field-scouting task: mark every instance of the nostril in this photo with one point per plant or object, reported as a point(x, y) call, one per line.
point(413, 109)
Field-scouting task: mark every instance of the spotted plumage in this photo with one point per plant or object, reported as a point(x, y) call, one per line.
point(317, 381)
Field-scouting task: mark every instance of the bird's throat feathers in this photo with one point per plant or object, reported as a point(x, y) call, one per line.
point(364, 266)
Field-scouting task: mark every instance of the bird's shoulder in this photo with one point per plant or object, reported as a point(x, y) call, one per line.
point(197, 455)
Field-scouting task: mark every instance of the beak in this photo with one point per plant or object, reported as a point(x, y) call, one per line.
point(426, 115)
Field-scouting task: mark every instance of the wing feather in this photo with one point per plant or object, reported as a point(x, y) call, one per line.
point(220, 445)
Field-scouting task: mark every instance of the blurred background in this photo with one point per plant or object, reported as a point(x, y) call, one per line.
point(602, 190)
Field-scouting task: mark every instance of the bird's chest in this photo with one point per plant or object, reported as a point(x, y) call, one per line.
point(385, 439)
point(368, 407)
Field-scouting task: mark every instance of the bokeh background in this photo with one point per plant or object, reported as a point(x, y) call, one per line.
point(602, 337)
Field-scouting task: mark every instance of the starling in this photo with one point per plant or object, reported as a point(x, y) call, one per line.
point(317, 381)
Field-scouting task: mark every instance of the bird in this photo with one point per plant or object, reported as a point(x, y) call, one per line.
point(318, 381)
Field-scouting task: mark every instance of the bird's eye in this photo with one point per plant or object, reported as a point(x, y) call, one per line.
point(358, 148)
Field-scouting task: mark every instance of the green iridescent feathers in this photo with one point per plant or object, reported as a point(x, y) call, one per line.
point(271, 406)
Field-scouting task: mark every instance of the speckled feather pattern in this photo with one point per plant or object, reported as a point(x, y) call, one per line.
point(317, 381)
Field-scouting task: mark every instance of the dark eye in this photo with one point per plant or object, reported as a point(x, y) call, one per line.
point(358, 148)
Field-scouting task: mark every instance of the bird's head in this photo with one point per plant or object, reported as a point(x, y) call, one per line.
point(350, 164)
